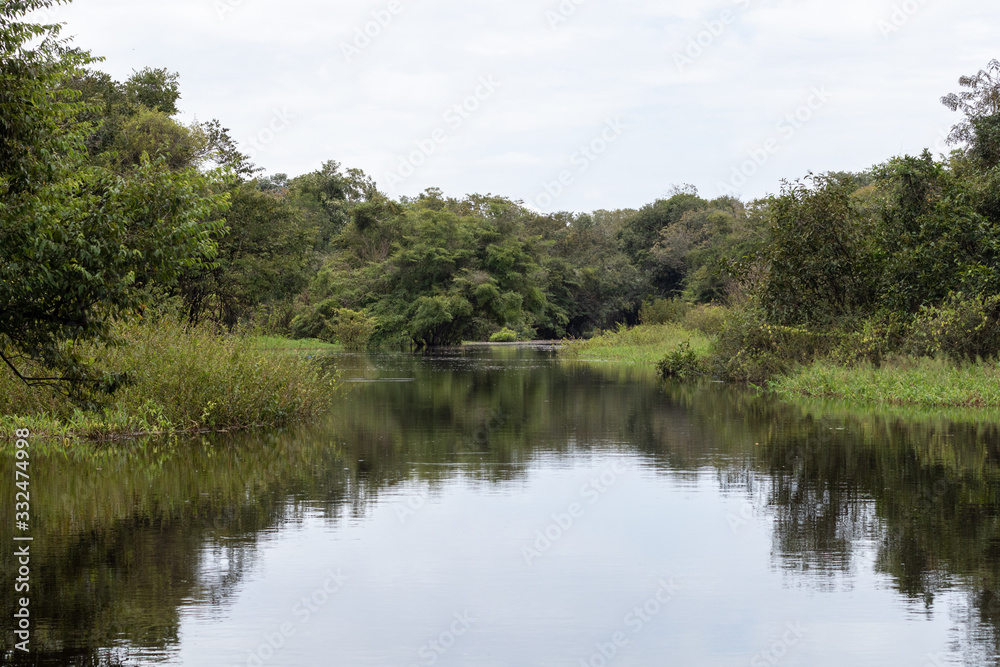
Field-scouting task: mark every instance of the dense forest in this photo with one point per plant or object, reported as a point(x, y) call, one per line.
point(326, 254)
point(111, 207)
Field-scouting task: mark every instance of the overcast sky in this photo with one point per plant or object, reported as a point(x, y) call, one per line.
point(573, 105)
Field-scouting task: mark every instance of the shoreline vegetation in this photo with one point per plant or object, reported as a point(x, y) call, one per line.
point(793, 364)
point(177, 379)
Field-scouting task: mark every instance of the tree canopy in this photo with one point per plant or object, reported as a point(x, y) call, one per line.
point(80, 241)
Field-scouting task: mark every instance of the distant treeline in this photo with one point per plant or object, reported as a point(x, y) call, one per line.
point(326, 254)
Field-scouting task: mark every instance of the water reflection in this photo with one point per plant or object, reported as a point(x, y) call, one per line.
point(438, 472)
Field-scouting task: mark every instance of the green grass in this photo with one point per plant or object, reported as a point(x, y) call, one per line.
point(180, 380)
point(277, 343)
point(644, 344)
point(920, 382)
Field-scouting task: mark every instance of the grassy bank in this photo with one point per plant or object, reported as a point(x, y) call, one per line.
point(796, 362)
point(920, 382)
point(179, 380)
point(306, 345)
point(643, 344)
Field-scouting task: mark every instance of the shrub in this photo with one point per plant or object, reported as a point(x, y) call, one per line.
point(505, 335)
point(750, 349)
point(312, 321)
point(682, 363)
point(663, 311)
point(872, 341)
point(705, 318)
point(351, 329)
point(962, 328)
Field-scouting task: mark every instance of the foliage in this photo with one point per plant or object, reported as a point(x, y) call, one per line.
point(872, 341)
point(180, 378)
point(962, 328)
point(706, 318)
point(74, 258)
point(505, 335)
point(682, 363)
point(78, 244)
point(330, 198)
point(439, 271)
point(934, 240)
point(641, 232)
point(751, 349)
point(980, 129)
point(351, 329)
point(264, 259)
point(663, 311)
point(591, 279)
point(820, 264)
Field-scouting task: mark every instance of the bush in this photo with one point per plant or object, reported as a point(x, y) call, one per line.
point(351, 329)
point(750, 349)
point(872, 341)
point(505, 335)
point(705, 318)
point(663, 311)
point(962, 328)
point(313, 320)
point(682, 363)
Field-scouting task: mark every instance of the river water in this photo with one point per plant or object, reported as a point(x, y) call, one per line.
point(503, 507)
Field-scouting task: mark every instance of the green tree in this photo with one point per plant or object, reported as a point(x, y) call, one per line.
point(328, 196)
point(643, 231)
point(935, 240)
point(589, 277)
point(819, 257)
point(154, 89)
point(264, 258)
point(980, 129)
point(78, 244)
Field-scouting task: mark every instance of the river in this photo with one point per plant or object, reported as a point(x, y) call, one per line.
point(505, 507)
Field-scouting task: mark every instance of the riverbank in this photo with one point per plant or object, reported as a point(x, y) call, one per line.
point(178, 380)
point(897, 381)
point(921, 382)
point(642, 344)
point(305, 345)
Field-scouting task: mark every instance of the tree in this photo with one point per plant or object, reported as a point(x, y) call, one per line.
point(980, 129)
point(934, 240)
point(642, 232)
point(263, 259)
point(821, 263)
point(78, 243)
point(136, 116)
point(328, 196)
point(155, 89)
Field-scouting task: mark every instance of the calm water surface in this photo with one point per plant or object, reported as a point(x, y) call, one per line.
point(505, 508)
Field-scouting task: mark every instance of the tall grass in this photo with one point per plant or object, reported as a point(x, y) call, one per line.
point(912, 381)
point(302, 345)
point(179, 379)
point(643, 344)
